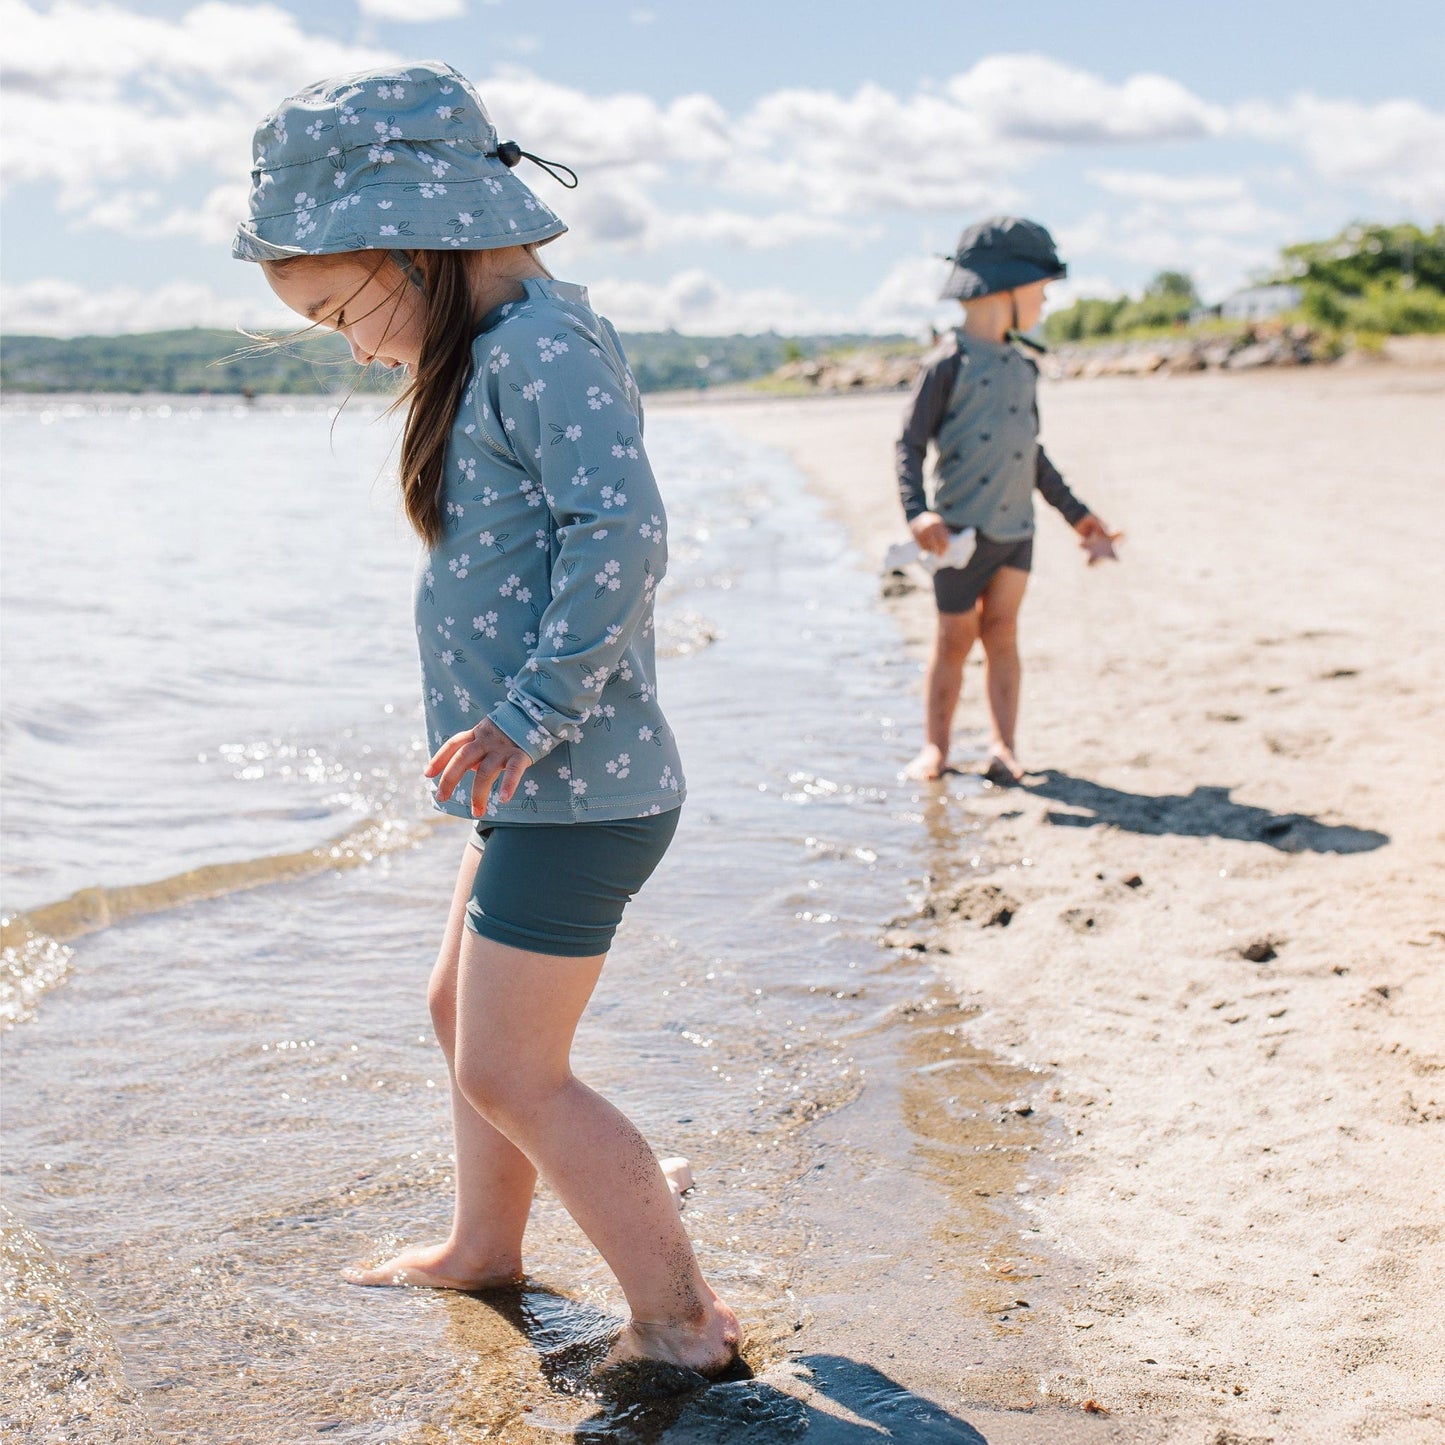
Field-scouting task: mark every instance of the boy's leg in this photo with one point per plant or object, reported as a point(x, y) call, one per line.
point(952, 642)
point(1003, 671)
point(494, 1179)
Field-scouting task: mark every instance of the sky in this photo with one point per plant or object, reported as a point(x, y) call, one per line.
point(746, 166)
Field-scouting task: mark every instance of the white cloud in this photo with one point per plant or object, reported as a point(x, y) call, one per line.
point(55, 307)
point(1170, 190)
point(1034, 98)
point(1395, 148)
point(98, 95)
point(413, 9)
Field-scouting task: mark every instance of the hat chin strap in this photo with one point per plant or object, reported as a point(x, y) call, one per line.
point(406, 264)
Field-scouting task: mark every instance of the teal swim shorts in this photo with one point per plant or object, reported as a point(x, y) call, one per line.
point(560, 888)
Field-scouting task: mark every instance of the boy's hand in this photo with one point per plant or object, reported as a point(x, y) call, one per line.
point(931, 533)
point(1096, 539)
point(489, 751)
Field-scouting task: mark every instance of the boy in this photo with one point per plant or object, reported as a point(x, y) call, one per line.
point(975, 400)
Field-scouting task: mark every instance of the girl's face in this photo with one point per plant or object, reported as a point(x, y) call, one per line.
point(376, 309)
point(1030, 302)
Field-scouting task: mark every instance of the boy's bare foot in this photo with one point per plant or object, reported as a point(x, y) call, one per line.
point(710, 1346)
point(930, 765)
point(1003, 768)
point(432, 1266)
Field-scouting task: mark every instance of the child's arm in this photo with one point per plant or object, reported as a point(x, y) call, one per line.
point(926, 407)
point(572, 423)
point(1094, 535)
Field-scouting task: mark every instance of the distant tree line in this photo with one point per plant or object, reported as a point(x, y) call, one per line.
point(1374, 279)
point(200, 361)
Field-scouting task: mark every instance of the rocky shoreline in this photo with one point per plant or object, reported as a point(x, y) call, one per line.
point(1249, 349)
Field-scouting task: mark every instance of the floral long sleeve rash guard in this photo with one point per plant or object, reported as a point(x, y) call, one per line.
point(536, 608)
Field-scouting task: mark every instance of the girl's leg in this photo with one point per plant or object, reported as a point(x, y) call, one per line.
point(1003, 672)
point(494, 1179)
point(957, 632)
point(517, 1012)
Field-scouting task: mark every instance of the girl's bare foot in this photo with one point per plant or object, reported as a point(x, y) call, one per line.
point(433, 1266)
point(930, 765)
point(678, 1173)
point(709, 1346)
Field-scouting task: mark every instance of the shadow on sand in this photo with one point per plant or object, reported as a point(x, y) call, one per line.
point(838, 1402)
point(1204, 813)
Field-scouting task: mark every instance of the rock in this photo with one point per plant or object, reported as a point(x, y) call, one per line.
point(1262, 950)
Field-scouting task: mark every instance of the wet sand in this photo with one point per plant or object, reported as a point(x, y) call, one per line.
point(1213, 922)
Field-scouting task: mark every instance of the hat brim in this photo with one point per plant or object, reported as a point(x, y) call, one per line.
point(483, 213)
point(968, 283)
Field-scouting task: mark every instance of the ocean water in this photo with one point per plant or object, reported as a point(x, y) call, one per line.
point(224, 886)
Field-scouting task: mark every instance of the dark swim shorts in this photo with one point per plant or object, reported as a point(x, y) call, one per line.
point(560, 888)
point(957, 589)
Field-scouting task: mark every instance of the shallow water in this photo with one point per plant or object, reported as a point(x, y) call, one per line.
point(211, 1106)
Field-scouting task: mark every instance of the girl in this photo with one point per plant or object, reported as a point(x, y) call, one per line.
point(383, 206)
point(974, 399)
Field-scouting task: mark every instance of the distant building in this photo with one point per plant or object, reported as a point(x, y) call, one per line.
point(1258, 303)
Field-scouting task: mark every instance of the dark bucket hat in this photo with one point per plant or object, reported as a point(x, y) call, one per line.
point(397, 159)
point(999, 254)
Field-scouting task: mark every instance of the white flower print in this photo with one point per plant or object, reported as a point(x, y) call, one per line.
point(534, 389)
point(583, 475)
point(564, 773)
point(499, 359)
point(388, 129)
point(620, 766)
point(447, 657)
point(607, 579)
point(439, 168)
point(573, 433)
point(651, 530)
point(487, 496)
point(596, 680)
point(613, 497)
point(383, 205)
point(549, 347)
point(614, 631)
point(646, 734)
point(436, 697)
point(464, 218)
point(468, 466)
point(556, 632)
point(597, 398)
point(625, 447)
point(485, 625)
point(388, 230)
point(510, 423)
point(380, 156)
point(429, 190)
point(541, 539)
point(492, 540)
point(530, 787)
point(494, 185)
point(464, 698)
point(668, 779)
point(578, 786)
point(460, 565)
point(509, 587)
point(349, 116)
point(455, 509)
point(391, 92)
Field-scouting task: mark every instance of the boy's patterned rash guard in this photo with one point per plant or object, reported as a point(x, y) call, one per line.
point(536, 608)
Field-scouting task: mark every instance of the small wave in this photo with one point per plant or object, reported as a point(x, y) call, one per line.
point(33, 953)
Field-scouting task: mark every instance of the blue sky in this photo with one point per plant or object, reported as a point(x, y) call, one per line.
point(744, 166)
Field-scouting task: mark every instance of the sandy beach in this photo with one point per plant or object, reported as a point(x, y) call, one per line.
point(1213, 921)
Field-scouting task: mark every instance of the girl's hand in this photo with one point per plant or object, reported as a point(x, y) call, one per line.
point(1096, 539)
point(931, 533)
point(488, 751)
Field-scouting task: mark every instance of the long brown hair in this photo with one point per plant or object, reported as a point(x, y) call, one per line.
point(435, 391)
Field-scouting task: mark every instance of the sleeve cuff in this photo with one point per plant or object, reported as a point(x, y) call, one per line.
point(531, 737)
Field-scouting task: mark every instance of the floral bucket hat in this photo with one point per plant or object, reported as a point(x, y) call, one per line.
point(397, 159)
point(999, 254)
